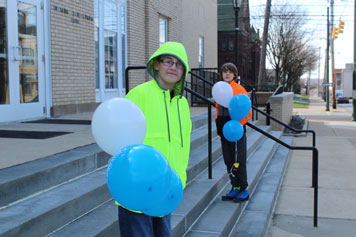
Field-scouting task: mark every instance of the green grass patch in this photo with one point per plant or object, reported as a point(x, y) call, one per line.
point(300, 101)
point(297, 105)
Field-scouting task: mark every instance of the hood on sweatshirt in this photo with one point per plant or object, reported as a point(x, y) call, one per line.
point(173, 49)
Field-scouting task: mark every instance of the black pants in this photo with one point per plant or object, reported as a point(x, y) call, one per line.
point(238, 177)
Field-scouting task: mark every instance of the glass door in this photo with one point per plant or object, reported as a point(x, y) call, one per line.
point(21, 60)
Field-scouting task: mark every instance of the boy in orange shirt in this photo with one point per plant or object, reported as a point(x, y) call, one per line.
point(235, 164)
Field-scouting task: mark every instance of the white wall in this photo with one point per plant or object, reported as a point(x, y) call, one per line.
point(347, 80)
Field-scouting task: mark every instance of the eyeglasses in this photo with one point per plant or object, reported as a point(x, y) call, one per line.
point(169, 63)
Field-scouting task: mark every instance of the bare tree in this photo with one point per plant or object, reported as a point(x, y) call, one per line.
point(262, 68)
point(288, 50)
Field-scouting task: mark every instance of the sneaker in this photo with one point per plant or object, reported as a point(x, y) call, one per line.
point(242, 196)
point(230, 195)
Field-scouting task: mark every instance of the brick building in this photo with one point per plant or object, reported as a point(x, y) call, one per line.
point(62, 57)
point(248, 51)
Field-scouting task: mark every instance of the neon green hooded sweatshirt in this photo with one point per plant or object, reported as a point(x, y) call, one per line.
point(168, 119)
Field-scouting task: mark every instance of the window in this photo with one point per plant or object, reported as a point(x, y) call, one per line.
point(4, 80)
point(163, 30)
point(201, 51)
point(338, 80)
point(110, 43)
point(224, 45)
point(96, 38)
point(231, 44)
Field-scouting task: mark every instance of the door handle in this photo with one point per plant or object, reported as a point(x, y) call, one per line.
point(17, 53)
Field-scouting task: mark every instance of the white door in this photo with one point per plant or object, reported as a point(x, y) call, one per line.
point(22, 83)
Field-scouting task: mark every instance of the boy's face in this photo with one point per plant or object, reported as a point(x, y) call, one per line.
point(170, 70)
point(228, 75)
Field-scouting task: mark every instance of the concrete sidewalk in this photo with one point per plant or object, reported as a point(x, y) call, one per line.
point(336, 143)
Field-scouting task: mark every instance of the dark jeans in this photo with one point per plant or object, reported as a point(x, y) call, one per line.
point(134, 224)
point(238, 177)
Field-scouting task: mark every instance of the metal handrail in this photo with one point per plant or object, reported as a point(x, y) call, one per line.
point(253, 96)
point(315, 165)
point(285, 125)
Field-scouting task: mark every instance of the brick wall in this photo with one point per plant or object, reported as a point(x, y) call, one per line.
point(197, 15)
point(73, 54)
point(143, 31)
point(281, 109)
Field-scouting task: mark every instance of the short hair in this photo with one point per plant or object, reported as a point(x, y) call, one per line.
point(228, 66)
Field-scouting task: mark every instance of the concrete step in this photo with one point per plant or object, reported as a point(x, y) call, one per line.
point(102, 222)
point(255, 220)
point(227, 211)
point(52, 199)
point(46, 211)
point(21, 181)
point(198, 193)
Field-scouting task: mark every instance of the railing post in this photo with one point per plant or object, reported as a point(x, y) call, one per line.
point(268, 111)
point(253, 111)
point(315, 177)
point(209, 143)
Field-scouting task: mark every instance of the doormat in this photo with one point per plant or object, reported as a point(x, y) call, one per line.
point(62, 121)
point(30, 134)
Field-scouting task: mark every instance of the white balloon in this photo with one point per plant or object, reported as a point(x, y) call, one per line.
point(117, 123)
point(222, 93)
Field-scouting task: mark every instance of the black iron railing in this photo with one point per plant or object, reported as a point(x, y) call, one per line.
point(211, 103)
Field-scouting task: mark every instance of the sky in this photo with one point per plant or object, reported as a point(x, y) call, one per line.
point(317, 22)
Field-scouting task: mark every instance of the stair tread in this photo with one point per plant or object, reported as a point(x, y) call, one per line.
point(99, 219)
point(254, 220)
point(230, 210)
point(45, 202)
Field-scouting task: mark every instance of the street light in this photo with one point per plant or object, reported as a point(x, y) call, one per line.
point(237, 5)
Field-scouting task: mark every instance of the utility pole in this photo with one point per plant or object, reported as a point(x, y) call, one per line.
point(354, 70)
point(327, 64)
point(332, 57)
point(262, 68)
point(319, 74)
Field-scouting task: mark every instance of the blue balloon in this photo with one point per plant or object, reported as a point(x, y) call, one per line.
point(138, 177)
point(172, 199)
point(239, 107)
point(233, 130)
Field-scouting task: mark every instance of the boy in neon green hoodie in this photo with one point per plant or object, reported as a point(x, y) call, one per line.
point(168, 128)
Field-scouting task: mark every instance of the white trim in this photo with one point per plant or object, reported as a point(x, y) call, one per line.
point(47, 53)
point(101, 52)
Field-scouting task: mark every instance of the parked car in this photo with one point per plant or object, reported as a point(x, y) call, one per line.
point(341, 100)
